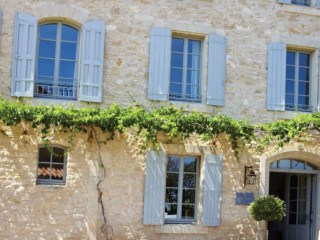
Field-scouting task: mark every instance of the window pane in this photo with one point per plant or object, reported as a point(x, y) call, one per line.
point(291, 58)
point(297, 165)
point(193, 92)
point(44, 155)
point(294, 181)
point(304, 88)
point(67, 69)
point(190, 164)
point(302, 195)
point(293, 194)
point(44, 88)
point(194, 46)
point(304, 74)
point(274, 164)
point(47, 49)
point(69, 33)
point(290, 86)
point(290, 73)
point(48, 31)
point(44, 171)
point(187, 211)
point(57, 172)
point(176, 75)
point(176, 89)
point(310, 167)
point(292, 218)
point(171, 211)
point(177, 60)
point(189, 180)
point(177, 44)
point(46, 67)
point(172, 179)
point(290, 101)
point(303, 101)
point(304, 59)
point(173, 164)
point(58, 155)
point(302, 206)
point(188, 196)
point(293, 206)
point(302, 218)
point(285, 163)
point(193, 62)
point(68, 51)
point(303, 181)
point(171, 195)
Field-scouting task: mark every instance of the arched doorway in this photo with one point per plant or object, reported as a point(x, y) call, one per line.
point(295, 181)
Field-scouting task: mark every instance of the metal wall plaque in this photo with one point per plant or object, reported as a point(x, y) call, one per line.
point(244, 198)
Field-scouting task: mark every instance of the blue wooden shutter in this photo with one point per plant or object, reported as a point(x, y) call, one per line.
point(284, 1)
point(24, 54)
point(159, 64)
point(276, 82)
point(318, 4)
point(92, 56)
point(212, 190)
point(216, 70)
point(154, 188)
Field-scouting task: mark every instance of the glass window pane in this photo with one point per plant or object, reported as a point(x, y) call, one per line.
point(290, 72)
point(176, 75)
point(291, 58)
point(177, 45)
point(172, 179)
point(274, 164)
point(48, 31)
point(303, 101)
point(284, 163)
point(188, 196)
point(289, 100)
point(302, 206)
point(304, 59)
point(193, 62)
point(176, 89)
point(44, 155)
point(67, 69)
point(187, 211)
point(171, 211)
point(304, 74)
point(294, 181)
point(193, 77)
point(69, 33)
point(44, 171)
point(57, 172)
point(190, 164)
point(303, 181)
point(171, 195)
point(302, 194)
point(302, 218)
point(193, 92)
point(292, 218)
point(293, 194)
point(173, 164)
point(297, 165)
point(290, 86)
point(46, 67)
point(304, 88)
point(68, 51)
point(58, 155)
point(194, 47)
point(310, 167)
point(177, 60)
point(189, 180)
point(293, 206)
point(47, 49)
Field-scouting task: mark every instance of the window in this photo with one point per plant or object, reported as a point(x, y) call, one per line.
point(181, 189)
point(57, 61)
point(298, 79)
point(51, 166)
point(301, 2)
point(292, 164)
point(185, 69)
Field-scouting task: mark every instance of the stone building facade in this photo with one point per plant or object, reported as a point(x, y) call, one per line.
point(251, 84)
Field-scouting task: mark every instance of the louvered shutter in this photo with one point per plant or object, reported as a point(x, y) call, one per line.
point(212, 190)
point(318, 4)
point(154, 188)
point(216, 70)
point(92, 56)
point(159, 64)
point(276, 81)
point(284, 1)
point(24, 54)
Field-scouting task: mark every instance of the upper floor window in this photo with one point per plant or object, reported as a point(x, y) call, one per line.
point(298, 80)
point(185, 69)
point(301, 2)
point(57, 61)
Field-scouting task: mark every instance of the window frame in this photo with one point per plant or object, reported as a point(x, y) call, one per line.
point(179, 219)
point(57, 60)
point(50, 181)
point(296, 81)
point(185, 68)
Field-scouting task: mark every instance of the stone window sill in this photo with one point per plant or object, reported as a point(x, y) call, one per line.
point(181, 229)
point(303, 10)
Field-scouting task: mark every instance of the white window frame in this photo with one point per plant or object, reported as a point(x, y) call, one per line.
point(296, 81)
point(180, 190)
point(185, 70)
point(57, 60)
point(52, 181)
